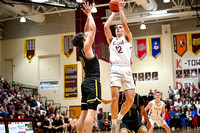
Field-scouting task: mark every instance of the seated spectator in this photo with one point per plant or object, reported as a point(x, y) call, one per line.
point(38, 120)
point(189, 118)
point(7, 99)
point(177, 118)
point(183, 117)
point(46, 125)
point(57, 125)
point(66, 123)
point(177, 96)
point(6, 86)
point(167, 117)
point(172, 114)
point(4, 111)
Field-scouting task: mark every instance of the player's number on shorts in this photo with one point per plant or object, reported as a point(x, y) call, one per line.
point(119, 49)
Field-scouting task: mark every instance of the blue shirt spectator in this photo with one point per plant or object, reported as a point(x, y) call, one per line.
point(172, 113)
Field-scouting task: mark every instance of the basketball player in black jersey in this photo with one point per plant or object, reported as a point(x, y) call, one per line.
point(91, 86)
point(131, 120)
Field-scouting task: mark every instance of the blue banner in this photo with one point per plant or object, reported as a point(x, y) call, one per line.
point(155, 46)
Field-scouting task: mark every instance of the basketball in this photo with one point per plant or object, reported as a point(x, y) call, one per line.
point(113, 5)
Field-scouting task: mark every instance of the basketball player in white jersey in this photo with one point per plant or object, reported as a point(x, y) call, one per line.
point(155, 107)
point(121, 71)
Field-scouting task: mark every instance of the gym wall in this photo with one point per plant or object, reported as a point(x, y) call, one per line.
point(48, 50)
point(1, 59)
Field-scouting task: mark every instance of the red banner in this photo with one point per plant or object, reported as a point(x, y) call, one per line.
point(140, 48)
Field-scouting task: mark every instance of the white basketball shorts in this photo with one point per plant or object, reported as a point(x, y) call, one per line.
point(156, 120)
point(121, 76)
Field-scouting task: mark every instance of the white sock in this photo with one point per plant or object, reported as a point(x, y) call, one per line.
point(114, 122)
point(120, 116)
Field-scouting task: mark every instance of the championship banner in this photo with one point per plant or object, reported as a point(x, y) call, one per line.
point(180, 44)
point(155, 46)
point(194, 43)
point(140, 48)
point(190, 63)
point(67, 46)
point(70, 81)
point(29, 49)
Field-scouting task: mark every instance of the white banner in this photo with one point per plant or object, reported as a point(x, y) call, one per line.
point(2, 128)
point(51, 85)
point(189, 83)
point(190, 63)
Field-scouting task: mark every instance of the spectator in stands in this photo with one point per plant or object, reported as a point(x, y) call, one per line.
point(170, 92)
point(7, 99)
point(99, 118)
point(6, 86)
point(58, 112)
point(33, 103)
point(189, 118)
point(183, 117)
point(57, 125)
point(177, 118)
point(194, 117)
point(187, 88)
point(181, 91)
point(150, 95)
point(46, 125)
point(172, 114)
point(43, 115)
point(13, 114)
point(66, 125)
point(3, 111)
point(38, 120)
point(194, 89)
point(177, 96)
point(51, 120)
point(167, 117)
point(51, 110)
point(175, 91)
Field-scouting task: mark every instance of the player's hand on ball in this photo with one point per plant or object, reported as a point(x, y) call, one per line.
point(121, 4)
point(87, 8)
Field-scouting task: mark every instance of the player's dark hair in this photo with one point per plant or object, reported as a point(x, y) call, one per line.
point(78, 40)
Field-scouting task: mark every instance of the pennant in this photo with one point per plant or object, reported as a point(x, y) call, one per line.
point(140, 48)
point(155, 46)
point(180, 44)
point(29, 49)
point(194, 43)
point(67, 46)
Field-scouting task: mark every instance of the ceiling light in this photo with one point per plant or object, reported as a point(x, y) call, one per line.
point(166, 1)
point(79, 1)
point(22, 19)
point(39, 1)
point(94, 9)
point(159, 12)
point(143, 26)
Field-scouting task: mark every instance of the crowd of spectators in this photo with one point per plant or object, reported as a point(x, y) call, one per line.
point(16, 103)
point(182, 107)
